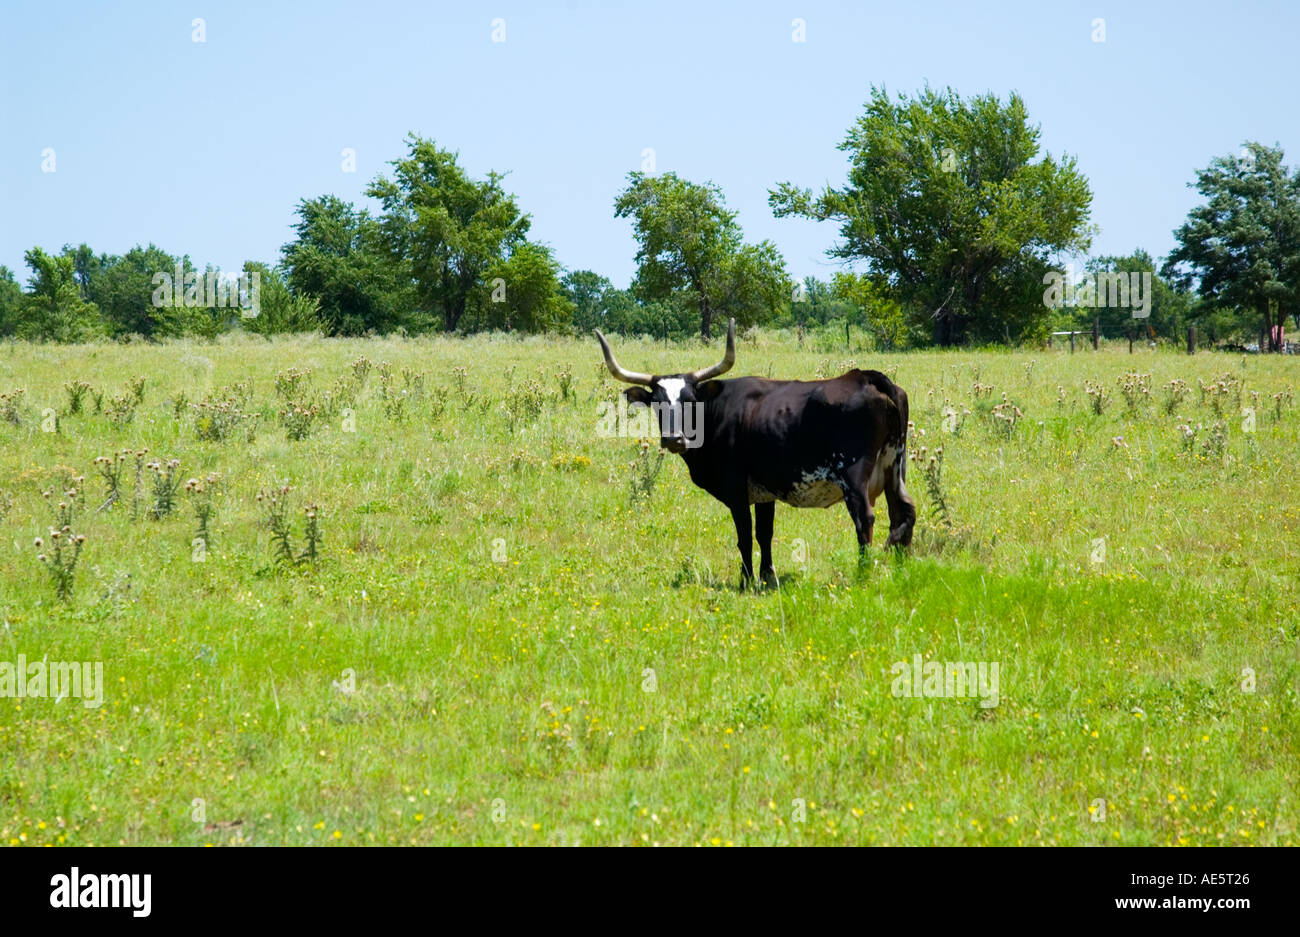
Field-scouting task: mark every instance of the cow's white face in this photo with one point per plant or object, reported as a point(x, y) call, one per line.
point(675, 402)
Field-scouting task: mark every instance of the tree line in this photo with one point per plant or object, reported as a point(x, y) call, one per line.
point(950, 222)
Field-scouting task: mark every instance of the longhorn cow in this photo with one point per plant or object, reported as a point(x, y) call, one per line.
point(808, 444)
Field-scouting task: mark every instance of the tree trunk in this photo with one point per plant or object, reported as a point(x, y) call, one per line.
point(451, 314)
point(706, 318)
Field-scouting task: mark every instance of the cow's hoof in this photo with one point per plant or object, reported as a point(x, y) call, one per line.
point(769, 580)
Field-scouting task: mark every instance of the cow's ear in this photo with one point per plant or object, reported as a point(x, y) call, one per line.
point(708, 390)
point(637, 395)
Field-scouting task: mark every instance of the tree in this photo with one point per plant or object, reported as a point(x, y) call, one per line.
point(952, 210)
point(279, 310)
point(690, 243)
point(1242, 247)
point(587, 291)
point(123, 287)
point(11, 297)
point(523, 292)
point(52, 309)
point(444, 228)
point(879, 314)
point(340, 259)
point(1169, 309)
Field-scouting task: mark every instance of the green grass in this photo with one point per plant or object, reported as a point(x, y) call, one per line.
point(538, 659)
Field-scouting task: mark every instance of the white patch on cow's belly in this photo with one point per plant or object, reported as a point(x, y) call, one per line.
point(814, 494)
point(815, 489)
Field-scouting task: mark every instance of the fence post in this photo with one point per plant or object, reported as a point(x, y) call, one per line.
point(1096, 332)
point(1191, 339)
point(846, 334)
point(1072, 341)
point(1130, 341)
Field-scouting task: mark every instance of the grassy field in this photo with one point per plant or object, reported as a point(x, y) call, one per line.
point(498, 642)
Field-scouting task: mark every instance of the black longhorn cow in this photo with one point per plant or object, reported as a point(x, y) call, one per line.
point(806, 443)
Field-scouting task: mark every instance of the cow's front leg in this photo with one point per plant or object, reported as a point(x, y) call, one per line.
point(744, 541)
point(764, 517)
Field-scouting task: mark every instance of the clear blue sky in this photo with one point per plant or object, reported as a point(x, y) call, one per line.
point(206, 148)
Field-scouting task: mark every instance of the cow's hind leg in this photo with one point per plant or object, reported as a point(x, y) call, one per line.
point(764, 518)
point(902, 509)
point(744, 541)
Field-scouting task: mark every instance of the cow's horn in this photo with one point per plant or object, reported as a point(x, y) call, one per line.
point(728, 359)
point(631, 377)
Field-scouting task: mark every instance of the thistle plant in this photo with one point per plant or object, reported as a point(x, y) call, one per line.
point(931, 466)
point(523, 404)
point(413, 381)
point(137, 490)
point(166, 482)
point(1218, 391)
point(460, 379)
point(121, 409)
point(275, 505)
point(1006, 415)
point(394, 400)
point(312, 534)
point(135, 387)
point(9, 406)
point(76, 391)
point(298, 419)
point(110, 469)
point(564, 377)
point(219, 416)
point(1136, 389)
point(1098, 396)
point(1175, 392)
point(200, 492)
point(645, 471)
point(288, 381)
point(6, 505)
point(60, 552)
point(1281, 401)
point(1215, 441)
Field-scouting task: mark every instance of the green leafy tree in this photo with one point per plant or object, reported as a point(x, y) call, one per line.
point(690, 243)
point(949, 204)
point(52, 308)
point(11, 298)
point(878, 312)
point(339, 258)
point(1169, 309)
point(1241, 248)
point(446, 229)
point(280, 311)
point(588, 292)
point(123, 289)
point(523, 292)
